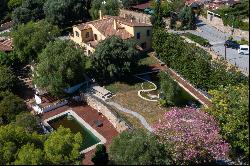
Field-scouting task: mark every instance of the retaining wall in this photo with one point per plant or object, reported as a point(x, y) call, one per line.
point(218, 24)
point(114, 119)
point(140, 17)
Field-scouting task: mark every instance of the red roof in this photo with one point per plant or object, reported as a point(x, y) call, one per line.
point(6, 44)
point(142, 6)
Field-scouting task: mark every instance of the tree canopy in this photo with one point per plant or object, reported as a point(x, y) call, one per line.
point(30, 10)
point(29, 39)
point(169, 89)
point(64, 12)
point(63, 147)
point(12, 4)
point(10, 106)
point(194, 136)
point(114, 58)
point(29, 154)
point(18, 146)
point(7, 78)
point(187, 18)
point(3, 10)
point(157, 17)
point(9, 59)
point(231, 109)
point(110, 7)
point(12, 138)
point(28, 121)
point(61, 65)
point(138, 148)
point(194, 63)
point(101, 156)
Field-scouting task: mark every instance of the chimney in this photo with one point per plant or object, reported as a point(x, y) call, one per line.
point(115, 25)
point(100, 14)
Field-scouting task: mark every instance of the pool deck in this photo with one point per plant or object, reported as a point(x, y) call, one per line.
point(89, 115)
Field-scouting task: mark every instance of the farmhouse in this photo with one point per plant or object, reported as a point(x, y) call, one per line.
point(89, 34)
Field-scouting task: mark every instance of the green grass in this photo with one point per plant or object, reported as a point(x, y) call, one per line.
point(197, 39)
point(88, 63)
point(120, 87)
point(147, 60)
point(147, 85)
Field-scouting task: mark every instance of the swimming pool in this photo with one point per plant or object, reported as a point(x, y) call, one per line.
point(69, 119)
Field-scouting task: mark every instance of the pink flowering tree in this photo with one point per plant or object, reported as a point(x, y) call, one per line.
point(194, 136)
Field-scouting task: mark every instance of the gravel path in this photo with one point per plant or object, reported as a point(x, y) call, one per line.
point(147, 90)
point(135, 114)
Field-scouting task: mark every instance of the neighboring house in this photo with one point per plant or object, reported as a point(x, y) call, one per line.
point(212, 4)
point(6, 26)
point(6, 44)
point(89, 34)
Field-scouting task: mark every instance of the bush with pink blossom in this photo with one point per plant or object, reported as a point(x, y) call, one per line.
point(194, 136)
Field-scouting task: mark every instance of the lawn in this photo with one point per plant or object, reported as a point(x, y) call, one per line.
point(147, 60)
point(132, 82)
point(151, 111)
point(120, 87)
point(126, 94)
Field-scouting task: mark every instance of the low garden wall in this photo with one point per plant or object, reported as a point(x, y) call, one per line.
point(100, 106)
point(218, 24)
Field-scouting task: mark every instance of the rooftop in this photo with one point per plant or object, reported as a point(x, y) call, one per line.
point(6, 44)
point(106, 26)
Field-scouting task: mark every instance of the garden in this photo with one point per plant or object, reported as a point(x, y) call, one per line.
point(149, 105)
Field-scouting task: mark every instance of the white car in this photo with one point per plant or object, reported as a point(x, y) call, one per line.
point(244, 49)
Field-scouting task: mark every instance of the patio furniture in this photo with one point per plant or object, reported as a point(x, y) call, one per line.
point(98, 123)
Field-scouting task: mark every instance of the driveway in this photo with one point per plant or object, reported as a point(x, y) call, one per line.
point(217, 39)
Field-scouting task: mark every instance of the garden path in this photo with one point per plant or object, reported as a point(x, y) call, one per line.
point(135, 114)
point(146, 90)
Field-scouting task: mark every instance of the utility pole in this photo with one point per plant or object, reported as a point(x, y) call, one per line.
point(225, 51)
point(225, 47)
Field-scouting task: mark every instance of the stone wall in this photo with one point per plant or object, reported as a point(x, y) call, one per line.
point(140, 17)
point(218, 24)
point(100, 106)
point(137, 16)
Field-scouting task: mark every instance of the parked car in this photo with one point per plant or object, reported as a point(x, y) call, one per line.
point(232, 44)
point(149, 11)
point(244, 49)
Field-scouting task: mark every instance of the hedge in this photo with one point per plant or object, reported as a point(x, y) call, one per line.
point(194, 63)
point(197, 39)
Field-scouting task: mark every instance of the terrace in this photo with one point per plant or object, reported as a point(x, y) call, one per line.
point(90, 116)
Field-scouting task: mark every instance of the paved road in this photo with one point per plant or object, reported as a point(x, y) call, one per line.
point(217, 39)
point(135, 114)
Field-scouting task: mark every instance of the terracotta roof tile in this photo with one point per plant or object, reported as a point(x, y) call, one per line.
point(106, 27)
point(6, 44)
point(129, 22)
point(83, 26)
